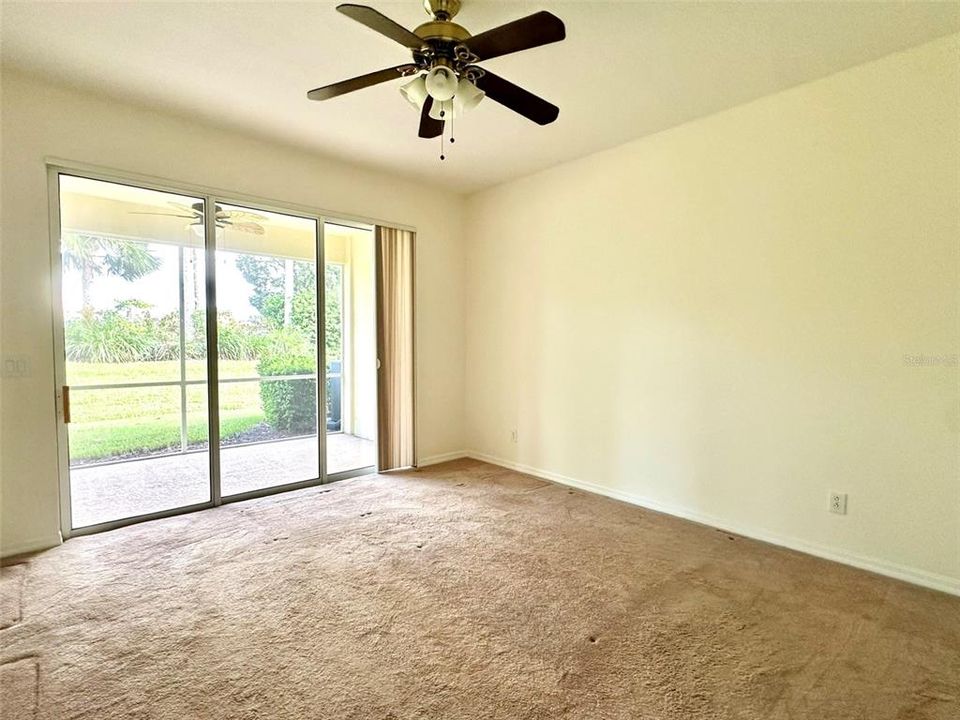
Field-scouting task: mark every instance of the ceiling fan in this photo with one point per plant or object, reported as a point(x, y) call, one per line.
point(241, 220)
point(448, 80)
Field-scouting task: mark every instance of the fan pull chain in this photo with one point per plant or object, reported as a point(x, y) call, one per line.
point(452, 139)
point(442, 132)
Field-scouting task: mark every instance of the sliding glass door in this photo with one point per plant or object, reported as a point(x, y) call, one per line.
point(267, 344)
point(149, 280)
point(351, 348)
point(134, 332)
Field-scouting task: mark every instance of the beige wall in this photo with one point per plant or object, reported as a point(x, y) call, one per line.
point(714, 320)
point(41, 120)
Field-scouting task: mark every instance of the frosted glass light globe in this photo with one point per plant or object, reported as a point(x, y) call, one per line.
point(468, 97)
point(441, 83)
point(415, 92)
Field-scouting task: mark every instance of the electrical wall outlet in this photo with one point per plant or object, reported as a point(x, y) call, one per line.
point(15, 366)
point(514, 436)
point(838, 503)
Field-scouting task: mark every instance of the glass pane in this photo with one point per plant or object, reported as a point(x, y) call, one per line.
point(267, 340)
point(198, 435)
point(351, 348)
point(333, 326)
point(120, 424)
point(241, 413)
point(269, 436)
point(128, 456)
point(134, 317)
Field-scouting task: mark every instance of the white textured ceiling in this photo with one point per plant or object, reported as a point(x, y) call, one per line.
point(627, 69)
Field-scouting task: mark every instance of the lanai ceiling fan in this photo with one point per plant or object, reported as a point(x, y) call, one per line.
point(448, 81)
point(237, 219)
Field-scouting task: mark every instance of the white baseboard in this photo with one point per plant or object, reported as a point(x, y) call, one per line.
point(934, 581)
point(445, 457)
point(33, 545)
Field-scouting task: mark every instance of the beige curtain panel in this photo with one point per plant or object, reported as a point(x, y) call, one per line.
point(395, 348)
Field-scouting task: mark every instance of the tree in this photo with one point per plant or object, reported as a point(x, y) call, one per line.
point(333, 315)
point(93, 255)
point(271, 295)
point(276, 283)
point(265, 276)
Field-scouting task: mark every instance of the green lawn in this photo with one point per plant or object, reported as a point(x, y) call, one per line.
point(100, 441)
point(81, 373)
point(117, 422)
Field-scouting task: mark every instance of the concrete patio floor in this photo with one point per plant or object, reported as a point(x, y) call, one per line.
point(138, 487)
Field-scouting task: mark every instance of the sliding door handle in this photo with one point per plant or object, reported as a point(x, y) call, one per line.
point(65, 400)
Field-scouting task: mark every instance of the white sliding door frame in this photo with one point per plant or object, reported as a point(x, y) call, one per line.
point(211, 197)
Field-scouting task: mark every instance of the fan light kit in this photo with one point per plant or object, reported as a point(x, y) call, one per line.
point(448, 82)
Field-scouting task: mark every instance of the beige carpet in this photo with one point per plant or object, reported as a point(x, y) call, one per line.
point(463, 591)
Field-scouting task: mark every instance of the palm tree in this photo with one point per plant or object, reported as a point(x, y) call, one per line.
point(93, 255)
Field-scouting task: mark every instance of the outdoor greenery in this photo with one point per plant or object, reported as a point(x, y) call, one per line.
point(122, 422)
point(93, 255)
point(90, 442)
point(131, 343)
point(267, 280)
point(289, 405)
point(129, 332)
point(82, 373)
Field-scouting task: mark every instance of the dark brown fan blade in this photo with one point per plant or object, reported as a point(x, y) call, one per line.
point(382, 24)
point(532, 31)
point(358, 83)
point(429, 128)
point(518, 99)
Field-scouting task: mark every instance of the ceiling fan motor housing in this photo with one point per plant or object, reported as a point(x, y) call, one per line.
point(441, 36)
point(442, 30)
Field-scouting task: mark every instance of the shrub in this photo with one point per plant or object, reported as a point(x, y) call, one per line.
point(165, 338)
point(290, 406)
point(236, 340)
point(129, 333)
point(233, 339)
point(106, 337)
point(303, 312)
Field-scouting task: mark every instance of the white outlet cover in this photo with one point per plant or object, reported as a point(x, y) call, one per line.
point(15, 366)
point(838, 503)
